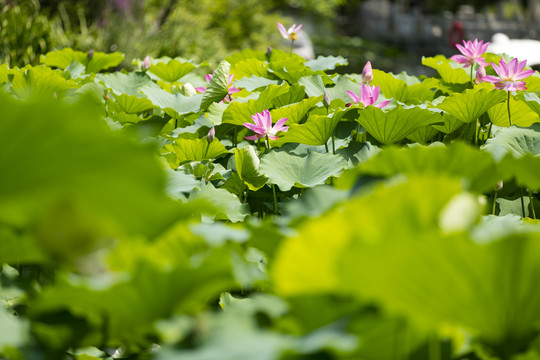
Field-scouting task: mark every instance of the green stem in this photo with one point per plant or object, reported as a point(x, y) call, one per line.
point(326, 146)
point(531, 204)
point(494, 202)
point(472, 80)
point(364, 135)
point(267, 143)
point(235, 143)
point(522, 203)
point(290, 50)
point(358, 132)
point(489, 130)
point(275, 199)
point(508, 107)
point(333, 143)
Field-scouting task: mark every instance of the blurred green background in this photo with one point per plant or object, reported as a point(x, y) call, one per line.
point(202, 30)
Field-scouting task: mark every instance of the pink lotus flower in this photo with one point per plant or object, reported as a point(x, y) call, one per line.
point(263, 126)
point(368, 96)
point(367, 73)
point(472, 53)
point(232, 90)
point(509, 75)
point(291, 33)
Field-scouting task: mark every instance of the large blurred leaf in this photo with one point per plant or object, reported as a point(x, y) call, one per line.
point(13, 330)
point(459, 160)
point(226, 205)
point(218, 87)
point(287, 170)
point(78, 164)
point(151, 292)
point(394, 125)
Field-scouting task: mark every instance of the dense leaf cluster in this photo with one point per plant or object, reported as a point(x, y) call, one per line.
point(137, 222)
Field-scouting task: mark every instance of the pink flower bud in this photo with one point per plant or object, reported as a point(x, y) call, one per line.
point(211, 135)
point(499, 185)
point(146, 63)
point(480, 74)
point(90, 54)
point(367, 73)
point(326, 100)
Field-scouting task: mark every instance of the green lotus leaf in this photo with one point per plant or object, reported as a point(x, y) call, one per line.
point(326, 63)
point(247, 163)
point(218, 87)
point(515, 141)
point(295, 93)
point(185, 150)
point(238, 113)
point(102, 61)
point(423, 135)
point(357, 153)
point(63, 58)
point(394, 125)
point(250, 68)
point(174, 105)
point(128, 84)
point(522, 114)
point(525, 170)
point(315, 131)
point(407, 90)
point(288, 67)
point(530, 99)
point(82, 166)
point(287, 170)
point(458, 160)
point(295, 113)
point(449, 70)
point(171, 71)
point(254, 82)
point(451, 124)
point(472, 103)
point(227, 206)
point(133, 104)
point(40, 82)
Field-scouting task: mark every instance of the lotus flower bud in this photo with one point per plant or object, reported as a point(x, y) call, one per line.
point(269, 52)
point(106, 96)
point(145, 64)
point(499, 185)
point(480, 74)
point(189, 90)
point(90, 54)
point(367, 73)
point(211, 135)
point(326, 100)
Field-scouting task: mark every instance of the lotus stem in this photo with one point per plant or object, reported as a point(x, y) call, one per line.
point(472, 79)
point(326, 146)
point(522, 203)
point(531, 204)
point(508, 107)
point(275, 199)
point(494, 202)
point(434, 348)
point(291, 49)
point(334, 143)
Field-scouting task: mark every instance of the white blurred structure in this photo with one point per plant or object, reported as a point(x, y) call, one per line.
point(303, 46)
point(522, 49)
